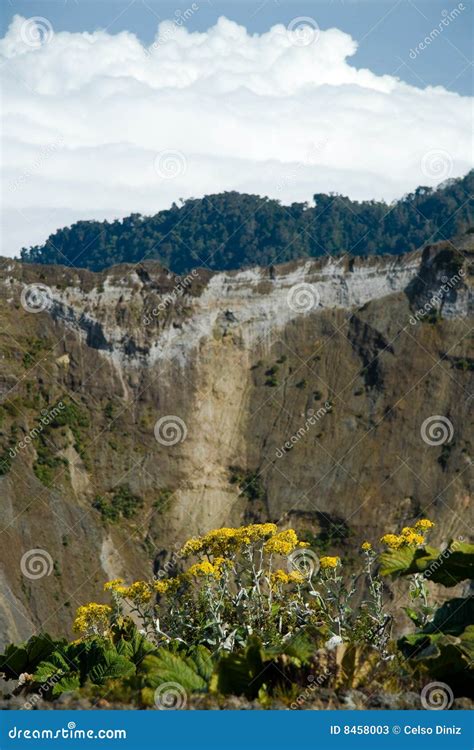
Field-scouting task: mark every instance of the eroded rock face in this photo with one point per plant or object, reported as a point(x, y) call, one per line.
point(295, 394)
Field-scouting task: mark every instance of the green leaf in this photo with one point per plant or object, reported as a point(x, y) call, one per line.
point(168, 667)
point(453, 616)
point(56, 664)
point(200, 659)
point(413, 615)
point(26, 656)
point(241, 672)
point(112, 666)
point(396, 561)
point(448, 567)
point(67, 684)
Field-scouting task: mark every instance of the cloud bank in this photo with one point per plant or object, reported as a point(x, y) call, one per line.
point(99, 126)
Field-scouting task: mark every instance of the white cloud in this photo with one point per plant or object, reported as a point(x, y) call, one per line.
point(85, 116)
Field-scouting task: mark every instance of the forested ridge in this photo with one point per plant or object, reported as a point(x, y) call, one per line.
point(231, 230)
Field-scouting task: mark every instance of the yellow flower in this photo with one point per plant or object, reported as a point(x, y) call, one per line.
point(113, 585)
point(203, 570)
point(392, 541)
point(296, 577)
point(139, 592)
point(282, 543)
point(255, 532)
point(161, 587)
point(167, 585)
point(329, 562)
point(278, 578)
point(423, 525)
point(92, 618)
point(228, 540)
point(366, 546)
point(192, 547)
point(410, 538)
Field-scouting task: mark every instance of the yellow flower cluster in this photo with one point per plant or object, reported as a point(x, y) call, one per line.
point(168, 585)
point(411, 536)
point(92, 617)
point(227, 540)
point(424, 525)
point(279, 577)
point(366, 546)
point(139, 592)
point(391, 540)
point(282, 543)
point(329, 562)
point(115, 586)
point(204, 569)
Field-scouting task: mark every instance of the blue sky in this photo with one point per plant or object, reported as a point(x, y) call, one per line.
point(386, 30)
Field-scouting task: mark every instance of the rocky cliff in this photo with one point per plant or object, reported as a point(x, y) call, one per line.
point(138, 408)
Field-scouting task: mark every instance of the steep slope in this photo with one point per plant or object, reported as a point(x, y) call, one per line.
point(297, 394)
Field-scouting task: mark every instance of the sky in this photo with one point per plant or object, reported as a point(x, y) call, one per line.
point(116, 107)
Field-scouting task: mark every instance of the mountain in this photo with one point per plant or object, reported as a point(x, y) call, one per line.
point(138, 408)
point(230, 231)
